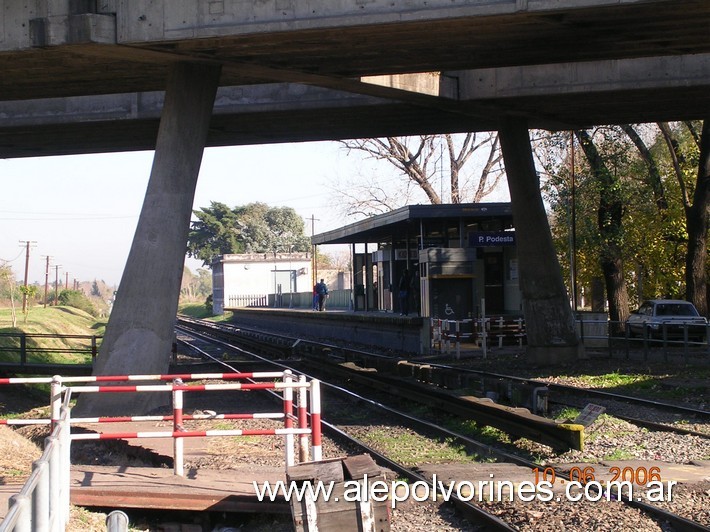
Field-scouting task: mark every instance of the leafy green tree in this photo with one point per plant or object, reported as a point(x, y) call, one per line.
point(650, 181)
point(217, 231)
point(30, 293)
point(252, 228)
point(690, 161)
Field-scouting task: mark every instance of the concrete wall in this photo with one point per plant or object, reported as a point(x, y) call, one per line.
point(408, 335)
point(172, 19)
point(42, 22)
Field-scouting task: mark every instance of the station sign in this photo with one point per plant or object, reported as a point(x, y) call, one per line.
point(478, 239)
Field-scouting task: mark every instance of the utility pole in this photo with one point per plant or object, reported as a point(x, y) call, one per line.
point(66, 281)
point(46, 279)
point(56, 284)
point(27, 244)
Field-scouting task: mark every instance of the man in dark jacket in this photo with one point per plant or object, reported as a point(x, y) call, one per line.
point(322, 291)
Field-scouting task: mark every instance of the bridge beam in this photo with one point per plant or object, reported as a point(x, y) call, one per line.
point(140, 331)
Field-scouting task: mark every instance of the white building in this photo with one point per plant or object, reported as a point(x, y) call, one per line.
point(247, 279)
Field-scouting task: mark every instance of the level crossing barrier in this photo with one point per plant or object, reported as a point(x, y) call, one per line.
point(295, 417)
point(444, 333)
point(447, 335)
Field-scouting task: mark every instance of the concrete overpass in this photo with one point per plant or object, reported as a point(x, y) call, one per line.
point(87, 75)
point(176, 75)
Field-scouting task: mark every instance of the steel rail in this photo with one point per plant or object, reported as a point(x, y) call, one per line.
point(468, 509)
point(678, 522)
point(574, 390)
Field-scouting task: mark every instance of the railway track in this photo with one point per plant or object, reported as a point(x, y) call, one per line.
point(286, 348)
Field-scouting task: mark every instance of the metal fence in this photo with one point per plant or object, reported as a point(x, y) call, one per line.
point(340, 299)
point(43, 502)
point(23, 347)
point(615, 336)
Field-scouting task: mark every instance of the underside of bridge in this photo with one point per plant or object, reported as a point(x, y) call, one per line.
point(88, 76)
point(83, 76)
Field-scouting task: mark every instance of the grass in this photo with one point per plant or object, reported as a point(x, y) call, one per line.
point(199, 311)
point(411, 449)
point(617, 380)
point(51, 320)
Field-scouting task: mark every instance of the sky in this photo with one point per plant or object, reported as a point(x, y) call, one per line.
point(82, 210)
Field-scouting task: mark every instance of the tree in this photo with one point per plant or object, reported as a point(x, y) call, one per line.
point(420, 162)
point(195, 286)
point(7, 277)
point(29, 292)
point(696, 209)
point(252, 228)
point(653, 175)
point(609, 219)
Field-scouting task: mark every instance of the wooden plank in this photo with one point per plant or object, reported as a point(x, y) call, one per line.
point(358, 466)
point(324, 470)
point(229, 490)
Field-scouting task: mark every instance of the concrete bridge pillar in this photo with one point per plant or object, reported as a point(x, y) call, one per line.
point(551, 334)
point(139, 334)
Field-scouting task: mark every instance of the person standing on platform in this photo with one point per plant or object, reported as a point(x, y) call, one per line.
point(315, 296)
point(404, 283)
point(322, 291)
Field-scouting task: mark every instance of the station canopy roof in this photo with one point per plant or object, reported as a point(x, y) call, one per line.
point(405, 222)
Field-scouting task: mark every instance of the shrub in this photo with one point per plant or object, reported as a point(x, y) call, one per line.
point(77, 299)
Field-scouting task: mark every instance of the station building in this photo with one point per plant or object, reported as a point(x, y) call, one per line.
point(462, 260)
point(246, 279)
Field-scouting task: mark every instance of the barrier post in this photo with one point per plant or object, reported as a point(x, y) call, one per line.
point(302, 421)
point(22, 502)
point(316, 444)
point(65, 463)
point(40, 496)
point(55, 399)
point(23, 349)
point(55, 477)
point(178, 442)
point(288, 417)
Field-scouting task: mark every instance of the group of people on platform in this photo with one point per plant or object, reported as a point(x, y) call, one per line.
point(320, 295)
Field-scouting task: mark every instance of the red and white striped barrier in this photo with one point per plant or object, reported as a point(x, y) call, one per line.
point(61, 393)
point(127, 419)
point(187, 434)
point(156, 377)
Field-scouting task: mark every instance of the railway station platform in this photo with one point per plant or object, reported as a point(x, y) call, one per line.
point(407, 334)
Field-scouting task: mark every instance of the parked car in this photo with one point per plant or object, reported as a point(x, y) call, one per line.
point(673, 315)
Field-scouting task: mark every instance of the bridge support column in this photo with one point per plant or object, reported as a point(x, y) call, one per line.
point(139, 333)
point(551, 334)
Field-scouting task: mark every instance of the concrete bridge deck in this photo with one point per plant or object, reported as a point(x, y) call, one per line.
point(89, 76)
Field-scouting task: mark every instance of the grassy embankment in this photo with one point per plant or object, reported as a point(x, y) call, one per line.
point(199, 311)
point(51, 320)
